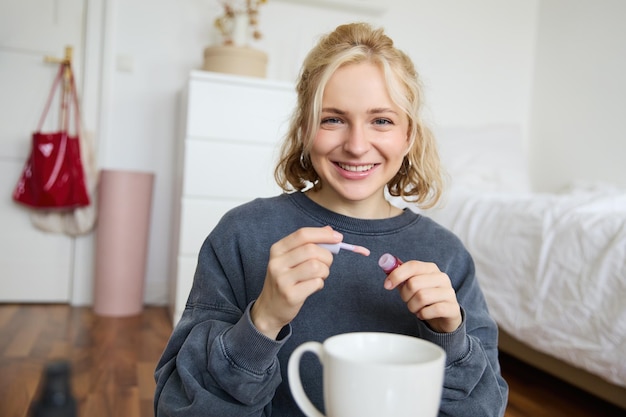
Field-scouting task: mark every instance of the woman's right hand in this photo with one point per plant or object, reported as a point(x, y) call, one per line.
point(296, 269)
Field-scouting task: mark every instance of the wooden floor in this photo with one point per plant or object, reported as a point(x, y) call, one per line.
point(113, 360)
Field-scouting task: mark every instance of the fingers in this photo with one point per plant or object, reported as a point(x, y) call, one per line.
point(431, 303)
point(284, 292)
point(283, 276)
point(428, 293)
point(296, 269)
point(297, 258)
point(413, 268)
point(305, 236)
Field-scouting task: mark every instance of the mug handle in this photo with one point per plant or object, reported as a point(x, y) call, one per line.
point(293, 372)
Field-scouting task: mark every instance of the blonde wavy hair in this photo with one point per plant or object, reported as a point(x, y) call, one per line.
point(419, 179)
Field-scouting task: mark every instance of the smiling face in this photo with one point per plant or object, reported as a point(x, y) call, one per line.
point(361, 142)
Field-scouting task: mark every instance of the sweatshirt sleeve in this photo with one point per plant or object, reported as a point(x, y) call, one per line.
point(216, 363)
point(473, 384)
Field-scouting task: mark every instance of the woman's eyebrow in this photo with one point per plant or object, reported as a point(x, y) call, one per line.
point(382, 110)
point(376, 110)
point(332, 110)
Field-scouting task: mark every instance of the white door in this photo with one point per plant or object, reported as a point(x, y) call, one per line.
point(34, 266)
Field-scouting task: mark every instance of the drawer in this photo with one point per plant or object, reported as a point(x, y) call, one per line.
point(239, 111)
point(229, 170)
point(198, 218)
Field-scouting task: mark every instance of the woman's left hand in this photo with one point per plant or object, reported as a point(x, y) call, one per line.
point(428, 294)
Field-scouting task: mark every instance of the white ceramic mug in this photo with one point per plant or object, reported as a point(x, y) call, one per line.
point(373, 375)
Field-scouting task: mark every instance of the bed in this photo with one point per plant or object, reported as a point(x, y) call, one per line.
point(552, 266)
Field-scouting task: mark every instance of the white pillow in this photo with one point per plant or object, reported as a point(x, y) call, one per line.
point(484, 159)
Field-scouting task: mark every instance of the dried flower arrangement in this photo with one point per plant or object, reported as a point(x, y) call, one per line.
point(232, 9)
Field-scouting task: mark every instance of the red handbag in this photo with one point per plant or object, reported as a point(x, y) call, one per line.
point(53, 176)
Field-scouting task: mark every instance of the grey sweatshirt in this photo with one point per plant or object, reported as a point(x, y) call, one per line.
point(216, 364)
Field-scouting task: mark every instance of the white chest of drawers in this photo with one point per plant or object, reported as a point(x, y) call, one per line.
point(231, 130)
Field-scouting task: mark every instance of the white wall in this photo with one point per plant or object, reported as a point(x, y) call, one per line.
point(475, 58)
point(578, 107)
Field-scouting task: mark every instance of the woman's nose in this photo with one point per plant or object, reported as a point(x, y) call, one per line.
point(356, 141)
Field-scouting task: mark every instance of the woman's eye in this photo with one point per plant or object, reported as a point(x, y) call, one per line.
point(330, 120)
point(383, 122)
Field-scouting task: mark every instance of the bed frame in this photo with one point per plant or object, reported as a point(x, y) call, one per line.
point(578, 377)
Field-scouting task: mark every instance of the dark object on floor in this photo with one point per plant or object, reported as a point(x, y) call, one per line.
point(55, 397)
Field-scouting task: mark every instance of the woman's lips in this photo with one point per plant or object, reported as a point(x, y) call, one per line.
point(355, 168)
point(355, 171)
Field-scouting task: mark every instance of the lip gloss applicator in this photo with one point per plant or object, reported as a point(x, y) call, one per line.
point(336, 247)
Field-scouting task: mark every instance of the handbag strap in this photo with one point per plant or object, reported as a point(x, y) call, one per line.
point(63, 67)
point(55, 84)
point(74, 98)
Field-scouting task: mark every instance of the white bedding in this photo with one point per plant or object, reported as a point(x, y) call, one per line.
point(553, 269)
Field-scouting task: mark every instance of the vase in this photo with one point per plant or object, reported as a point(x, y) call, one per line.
point(240, 34)
point(124, 207)
point(237, 60)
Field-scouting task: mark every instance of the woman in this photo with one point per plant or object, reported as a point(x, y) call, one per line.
point(264, 285)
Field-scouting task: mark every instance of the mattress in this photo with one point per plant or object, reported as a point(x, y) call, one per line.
point(552, 268)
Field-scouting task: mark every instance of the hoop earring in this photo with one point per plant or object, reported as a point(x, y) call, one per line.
point(406, 167)
point(303, 161)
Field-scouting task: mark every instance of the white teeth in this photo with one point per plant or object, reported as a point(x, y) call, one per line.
point(356, 168)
